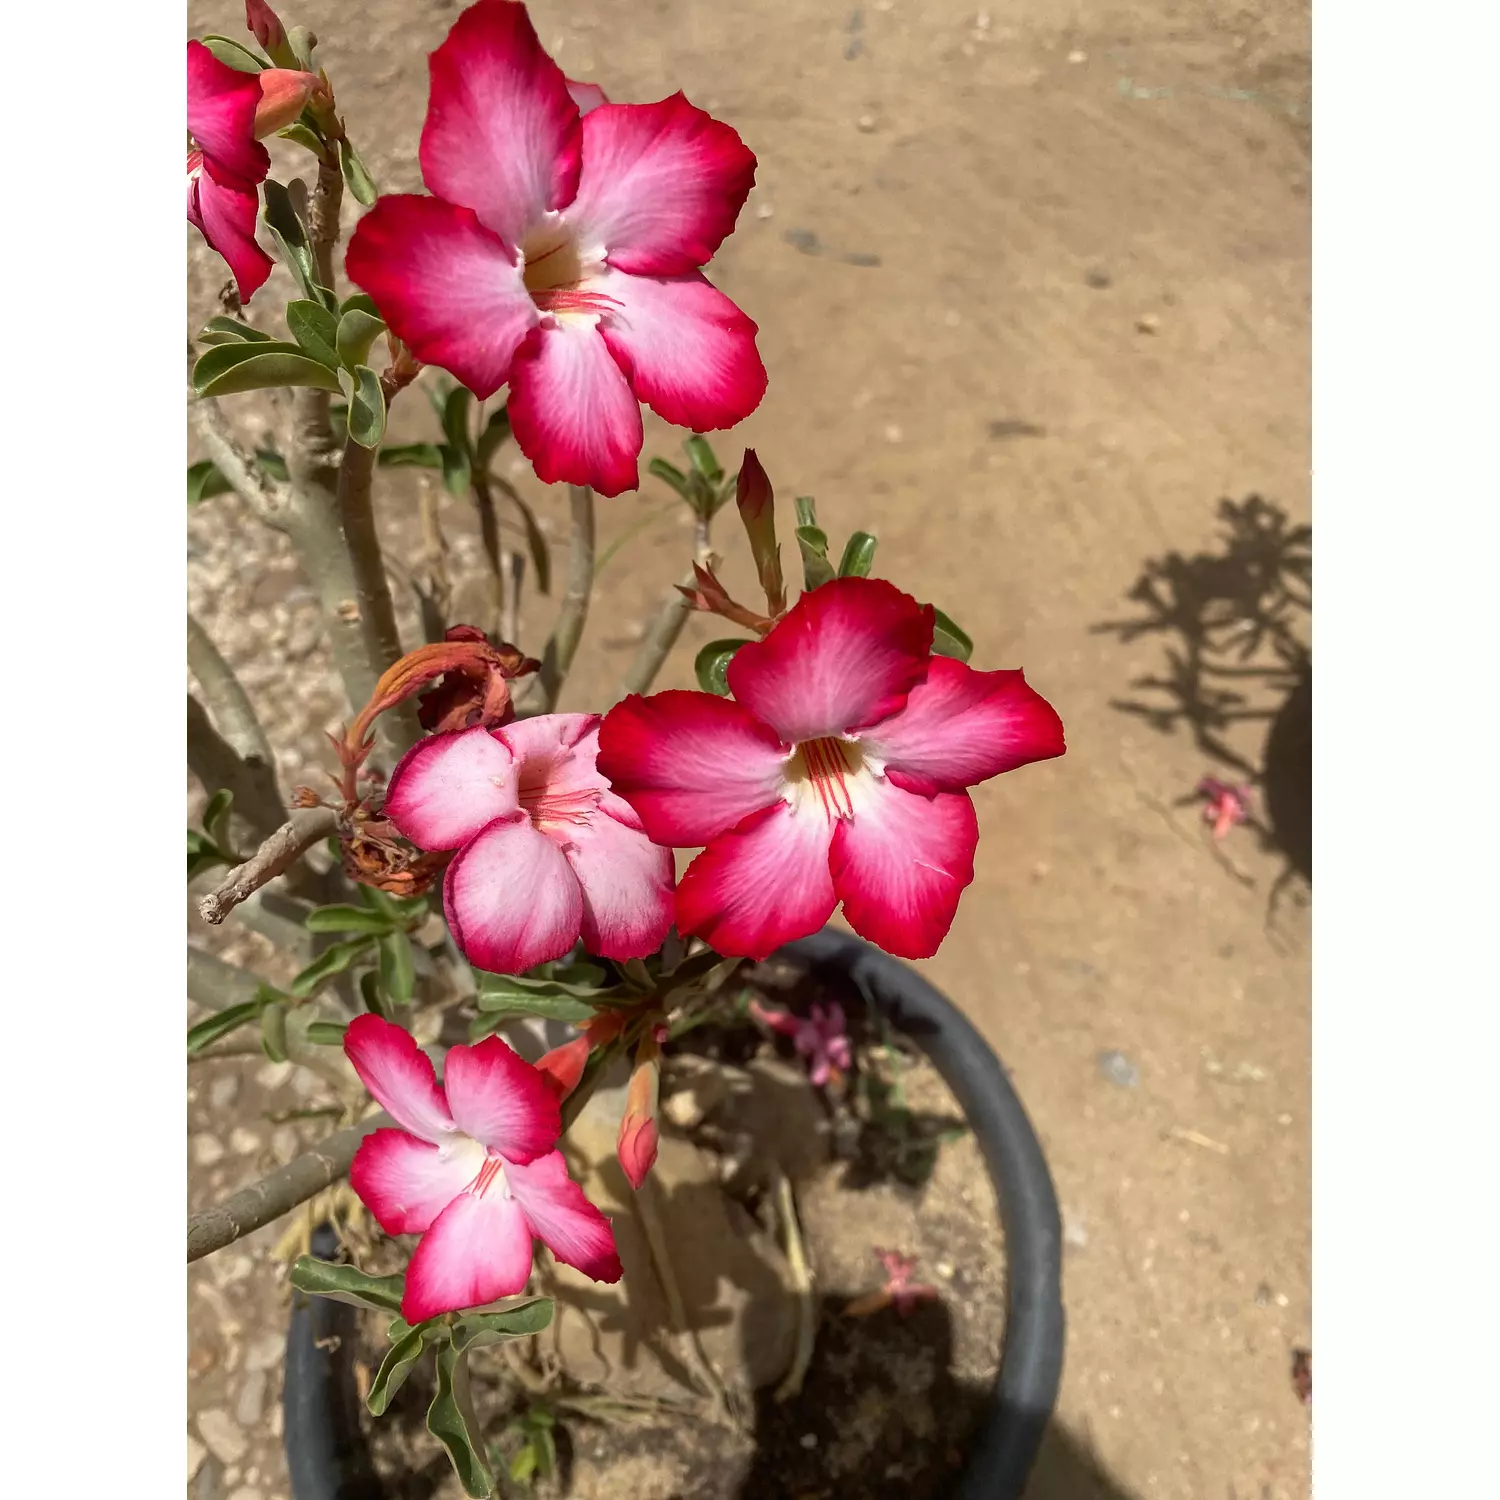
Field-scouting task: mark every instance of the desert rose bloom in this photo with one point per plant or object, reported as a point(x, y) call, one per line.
point(474, 1169)
point(820, 1037)
point(837, 774)
point(560, 253)
point(1226, 805)
point(227, 113)
point(546, 852)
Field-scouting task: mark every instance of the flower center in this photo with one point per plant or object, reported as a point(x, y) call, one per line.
point(491, 1173)
point(552, 809)
point(553, 269)
point(827, 767)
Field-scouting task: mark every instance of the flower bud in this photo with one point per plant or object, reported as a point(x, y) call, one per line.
point(284, 93)
point(637, 1143)
point(563, 1066)
point(757, 508)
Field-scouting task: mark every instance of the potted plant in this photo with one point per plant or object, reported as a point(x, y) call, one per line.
point(505, 953)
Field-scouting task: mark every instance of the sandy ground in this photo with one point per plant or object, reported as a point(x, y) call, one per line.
point(1032, 284)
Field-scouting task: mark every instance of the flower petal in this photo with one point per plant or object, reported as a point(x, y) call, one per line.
point(843, 657)
point(502, 134)
point(661, 186)
point(687, 350)
point(586, 96)
point(563, 1219)
point(626, 879)
point(901, 863)
point(572, 410)
point(225, 214)
point(761, 885)
point(555, 753)
point(511, 900)
point(960, 727)
point(407, 1183)
point(477, 1251)
point(449, 288)
point(400, 1077)
point(449, 786)
point(690, 764)
point(501, 1100)
point(221, 105)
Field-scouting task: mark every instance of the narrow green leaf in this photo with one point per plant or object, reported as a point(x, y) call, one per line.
point(370, 993)
point(948, 639)
point(473, 1330)
point(228, 368)
point(366, 409)
point(304, 135)
point(359, 302)
point(326, 1033)
point(580, 975)
point(711, 665)
point(816, 569)
point(545, 1445)
point(536, 543)
point(316, 330)
point(704, 459)
point(237, 56)
point(357, 332)
point(321, 1278)
point(216, 818)
point(451, 1420)
point(361, 184)
point(807, 511)
point(669, 474)
point(204, 481)
point(334, 960)
point(301, 40)
point(273, 1031)
point(403, 911)
point(457, 473)
point(290, 234)
point(398, 976)
point(226, 330)
point(496, 430)
point(559, 1006)
point(859, 555)
point(221, 1023)
point(455, 417)
point(524, 1465)
point(272, 462)
point(407, 1343)
point(413, 455)
point(201, 854)
point(348, 919)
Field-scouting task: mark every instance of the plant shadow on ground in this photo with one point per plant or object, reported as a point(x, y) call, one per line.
point(1233, 622)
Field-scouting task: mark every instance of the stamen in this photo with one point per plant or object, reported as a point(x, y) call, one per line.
point(556, 299)
point(487, 1175)
point(827, 764)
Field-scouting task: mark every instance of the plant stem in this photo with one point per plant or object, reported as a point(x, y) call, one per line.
point(306, 827)
point(258, 803)
point(666, 627)
point(562, 645)
point(225, 697)
point(489, 535)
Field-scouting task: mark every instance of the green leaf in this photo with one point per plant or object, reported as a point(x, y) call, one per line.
point(536, 543)
point(415, 455)
point(582, 976)
point(228, 368)
point(222, 1022)
point(711, 665)
point(316, 330)
point(524, 1465)
point(238, 57)
point(704, 460)
point(366, 408)
point(204, 481)
point(369, 992)
point(451, 1420)
point(226, 330)
point(398, 974)
point(348, 1284)
point(807, 512)
point(334, 960)
point(202, 854)
point(816, 569)
point(361, 184)
point(290, 234)
point(359, 302)
point(304, 135)
point(407, 1343)
point(669, 474)
point(496, 430)
point(216, 818)
point(357, 332)
point(272, 462)
point(326, 1033)
point(301, 40)
point(473, 1330)
point(948, 639)
point(402, 910)
point(553, 1002)
point(859, 555)
point(348, 919)
point(457, 405)
point(273, 1031)
point(456, 470)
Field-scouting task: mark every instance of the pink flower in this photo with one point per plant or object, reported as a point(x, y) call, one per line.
point(560, 253)
point(899, 1290)
point(474, 1170)
point(819, 1037)
point(546, 852)
point(1226, 805)
point(638, 1140)
point(227, 112)
point(837, 775)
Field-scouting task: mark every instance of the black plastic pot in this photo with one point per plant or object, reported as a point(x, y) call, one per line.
point(327, 1455)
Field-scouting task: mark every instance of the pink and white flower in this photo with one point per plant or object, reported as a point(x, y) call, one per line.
point(474, 1169)
point(837, 774)
point(227, 113)
point(820, 1037)
point(560, 252)
point(546, 852)
point(1225, 806)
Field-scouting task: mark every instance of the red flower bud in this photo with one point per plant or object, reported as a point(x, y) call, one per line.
point(636, 1146)
point(266, 26)
point(563, 1066)
point(284, 93)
